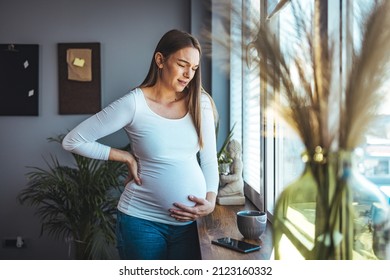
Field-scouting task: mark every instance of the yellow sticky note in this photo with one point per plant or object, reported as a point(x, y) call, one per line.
point(78, 62)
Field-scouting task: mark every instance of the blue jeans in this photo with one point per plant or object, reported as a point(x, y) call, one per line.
point(139, 239)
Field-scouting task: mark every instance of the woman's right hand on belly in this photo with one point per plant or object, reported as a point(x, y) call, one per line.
point(203, 207)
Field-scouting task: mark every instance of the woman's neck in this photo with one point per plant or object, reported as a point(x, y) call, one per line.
point(160, 94)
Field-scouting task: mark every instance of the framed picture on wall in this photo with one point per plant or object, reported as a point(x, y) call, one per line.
point(79, 78)
point(19, 77)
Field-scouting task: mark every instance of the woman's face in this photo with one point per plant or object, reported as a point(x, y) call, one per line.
point(179, 69)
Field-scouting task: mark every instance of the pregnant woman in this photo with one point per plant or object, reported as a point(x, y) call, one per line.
point(168, 119)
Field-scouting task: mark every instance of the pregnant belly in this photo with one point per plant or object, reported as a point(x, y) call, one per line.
point(164, 185)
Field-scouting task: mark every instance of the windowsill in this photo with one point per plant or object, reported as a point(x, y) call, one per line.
point(221, 223)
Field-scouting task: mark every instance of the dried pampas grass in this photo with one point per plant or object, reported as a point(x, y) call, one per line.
point(307, 81)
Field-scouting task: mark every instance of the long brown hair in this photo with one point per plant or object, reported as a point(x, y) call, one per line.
point(171, 42)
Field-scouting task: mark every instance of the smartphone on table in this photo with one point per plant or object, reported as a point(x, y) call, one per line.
point(236, 245)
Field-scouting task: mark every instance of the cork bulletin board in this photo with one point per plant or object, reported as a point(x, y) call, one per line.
point(79, 78)
point(19, 76)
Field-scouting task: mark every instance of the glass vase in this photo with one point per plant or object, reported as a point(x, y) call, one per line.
point(331, 212)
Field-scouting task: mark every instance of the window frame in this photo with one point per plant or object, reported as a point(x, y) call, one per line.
point(339, 21)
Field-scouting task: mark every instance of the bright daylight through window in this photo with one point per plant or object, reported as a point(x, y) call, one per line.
point(271, 150)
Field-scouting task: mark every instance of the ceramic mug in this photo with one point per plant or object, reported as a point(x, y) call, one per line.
point(251, 223)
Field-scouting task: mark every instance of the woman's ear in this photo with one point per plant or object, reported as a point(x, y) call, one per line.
point(159, 59)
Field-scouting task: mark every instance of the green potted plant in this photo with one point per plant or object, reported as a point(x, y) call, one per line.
point(77, 203)
point(224, 158)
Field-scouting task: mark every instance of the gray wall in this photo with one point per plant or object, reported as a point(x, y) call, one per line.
point(128, 31)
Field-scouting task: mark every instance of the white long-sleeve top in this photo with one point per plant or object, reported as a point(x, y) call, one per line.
point(166, 150)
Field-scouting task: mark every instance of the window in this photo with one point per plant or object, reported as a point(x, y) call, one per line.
point(283, 153)
point(271, 150)
point(374, 153)
point(245, 111)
